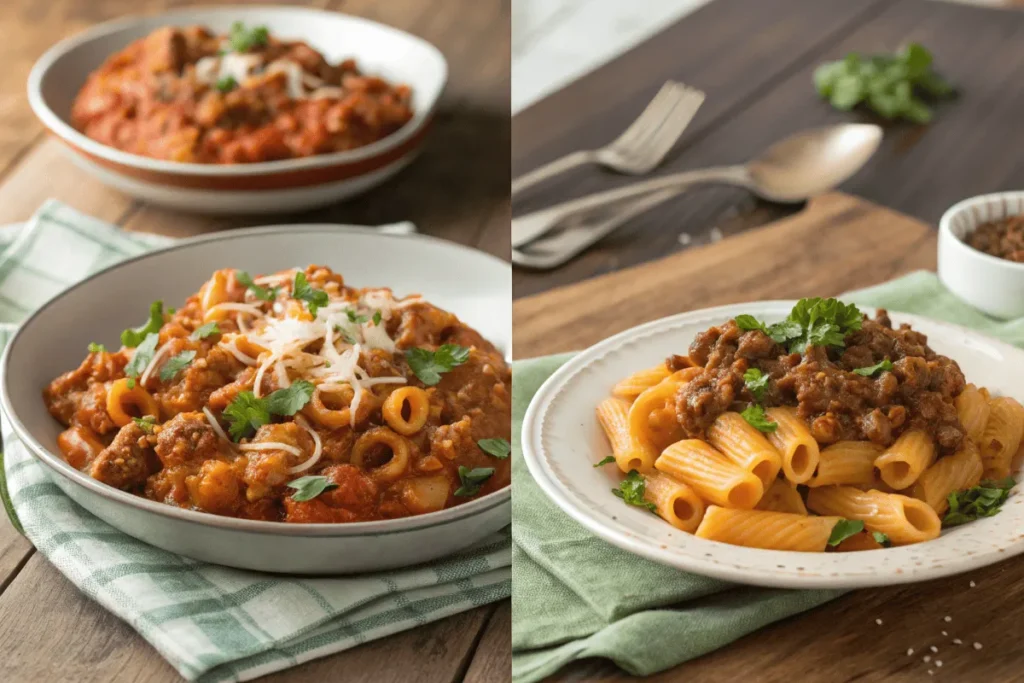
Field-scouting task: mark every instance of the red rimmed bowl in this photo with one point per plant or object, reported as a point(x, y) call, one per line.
point(272, 186)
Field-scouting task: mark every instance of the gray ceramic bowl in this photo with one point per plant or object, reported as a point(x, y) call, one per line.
point(54, 339)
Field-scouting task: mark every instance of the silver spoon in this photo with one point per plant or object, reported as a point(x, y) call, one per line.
point(792, 170)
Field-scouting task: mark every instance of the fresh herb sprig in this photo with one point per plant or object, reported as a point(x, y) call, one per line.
point(176, 364)
point(242, 39)
point(472, 480)
point(430, 365)
point(262, 293)
point(844, 529)
point(897, 86)
point(812, 322)
point(309, 487)
point(872, 370)
point(315, 298)
point(498, 448)
point(632, 490)
point(247, 413)
point(134, 336)
point(756, 418)
point(983, 500)
point(756, 382)
point(606, 460)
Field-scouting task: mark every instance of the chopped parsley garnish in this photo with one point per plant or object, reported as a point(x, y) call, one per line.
point(226, 84)
point(143, 355)
point(145, 423)
point(354, 317)
point(472, 480)
point(314, 298)
point(243, 39)
point(261, 293)
point(207, 330)
point(756, 382)
point(175, 365)
point(376, 318)
point(894, 86)
point(97, 348)
point(812, 322)
point(607, 460)
point(873, 370)
point(984, 500)
point(134, 336)
point(844, 529)
point(309, 487)
point(247, 413)
point(880, 538)
point(755, 416)
point(499, 448)
point(430, 365)
point(632, 490)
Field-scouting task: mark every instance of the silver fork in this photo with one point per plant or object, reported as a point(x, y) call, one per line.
point(641, 147)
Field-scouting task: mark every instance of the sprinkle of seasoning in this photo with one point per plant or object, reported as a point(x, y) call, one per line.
point(926, 659)
point(933, 648)
point(878, 621)
point(910, 651)
point(957, 641)
point(947, 619)
point(977, 646)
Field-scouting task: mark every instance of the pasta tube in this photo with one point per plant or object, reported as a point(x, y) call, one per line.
point(675, 502)
point(745, 446)
point(767, 530)
point(793, 439)
point(904, 520)
point(713, 476)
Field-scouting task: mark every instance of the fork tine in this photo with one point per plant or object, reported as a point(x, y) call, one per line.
point(663, 101)
point(660, 139)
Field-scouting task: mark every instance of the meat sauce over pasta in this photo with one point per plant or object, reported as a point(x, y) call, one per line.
point(292, 397)
point(186, 94)
point(838, 404)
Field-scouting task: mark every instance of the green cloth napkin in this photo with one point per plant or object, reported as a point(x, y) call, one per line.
point(576, 596)
point(210, 622)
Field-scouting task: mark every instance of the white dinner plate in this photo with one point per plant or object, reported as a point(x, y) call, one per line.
point(562, 441)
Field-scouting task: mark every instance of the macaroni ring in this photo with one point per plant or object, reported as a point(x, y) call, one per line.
point(119, 393)
point(399, 446)
point(394, 406)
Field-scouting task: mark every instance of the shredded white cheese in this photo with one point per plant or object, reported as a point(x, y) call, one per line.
point(271, 446)
point(317, 447)
point(160, 353)
point(216, 425)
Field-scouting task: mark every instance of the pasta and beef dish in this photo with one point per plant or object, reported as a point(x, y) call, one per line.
point(187, 94)
point(829, 430)
point(292, 397)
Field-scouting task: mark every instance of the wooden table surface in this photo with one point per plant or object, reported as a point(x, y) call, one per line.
point(457, 189)
point(754, 59)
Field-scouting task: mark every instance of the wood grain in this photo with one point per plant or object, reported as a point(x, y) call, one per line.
point(837, 243)
point(765, 90)
point(456, 189)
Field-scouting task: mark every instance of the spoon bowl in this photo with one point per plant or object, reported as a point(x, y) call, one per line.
point(811, 162)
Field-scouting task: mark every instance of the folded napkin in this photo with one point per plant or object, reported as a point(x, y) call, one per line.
point(577, 596)
point(211, 623)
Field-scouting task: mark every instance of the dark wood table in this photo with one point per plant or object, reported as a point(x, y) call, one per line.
point(457, 189)
point(754, 59)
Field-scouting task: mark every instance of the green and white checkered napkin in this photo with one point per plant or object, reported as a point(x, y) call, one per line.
point(211, 623)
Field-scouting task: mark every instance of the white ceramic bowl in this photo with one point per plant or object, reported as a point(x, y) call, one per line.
point(54, 338)
point(272, 186)
point(989, 283)
point(562, 441)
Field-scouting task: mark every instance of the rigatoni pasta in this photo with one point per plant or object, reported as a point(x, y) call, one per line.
point(771, 435)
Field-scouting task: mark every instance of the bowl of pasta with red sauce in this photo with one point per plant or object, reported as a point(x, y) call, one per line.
point(804, 444)
point(240, 109)
point(226, 400)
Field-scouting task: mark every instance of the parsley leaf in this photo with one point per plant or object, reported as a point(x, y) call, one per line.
point(243, 39)
point(290, 400)
point(880, 538)
point(145, 423)
point(143, 354)
point(472, 480)
point(607, 460)
point(207, 330)
point(134, 336)
point(872, 370)
point(756, 382)
point(261, 293)
point(844, 529)
point(226, 84)
point(780, 332)
point(247, 413)
point(309, 487)
point(376, 318)
point(356, 318)
point(314, 298)
point(749, 322)
point(754, 415)
point(97, 348)
point(984, 500)
point(894, 86)
point(499, 448)
point(429, 365)
point(823, 322)
point(175, 365)
point(632, 490)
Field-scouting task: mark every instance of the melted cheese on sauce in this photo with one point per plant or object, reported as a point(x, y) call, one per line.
point(210, 70)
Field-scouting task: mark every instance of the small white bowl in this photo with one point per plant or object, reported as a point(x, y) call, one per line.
point(271, 186)
point(989, 283)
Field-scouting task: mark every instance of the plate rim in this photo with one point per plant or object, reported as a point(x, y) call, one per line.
point(59, 467)
point(758, 572)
